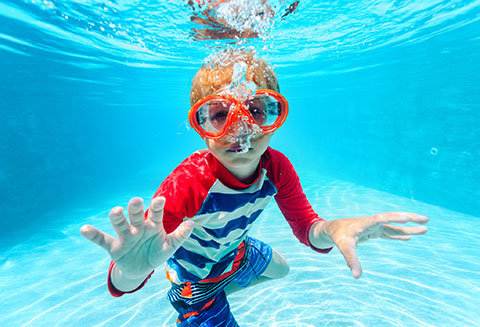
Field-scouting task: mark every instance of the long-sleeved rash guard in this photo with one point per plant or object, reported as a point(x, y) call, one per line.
point(223, 210)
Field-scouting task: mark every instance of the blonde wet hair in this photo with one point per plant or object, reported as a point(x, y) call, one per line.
point(217, 72)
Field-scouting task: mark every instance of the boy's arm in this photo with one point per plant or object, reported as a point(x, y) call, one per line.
point(346, 233)
point(291, 199)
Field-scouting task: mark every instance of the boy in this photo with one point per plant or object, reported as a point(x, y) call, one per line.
point(198, 221)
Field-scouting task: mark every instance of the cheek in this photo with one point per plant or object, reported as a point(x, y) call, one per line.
point(213, 145)
point(209, 143)
point(263, 140)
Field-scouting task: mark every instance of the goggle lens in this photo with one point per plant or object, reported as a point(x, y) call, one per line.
point(212, 115)
point(264, 109)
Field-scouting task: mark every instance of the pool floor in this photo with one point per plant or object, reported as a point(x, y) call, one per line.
point(431, 280)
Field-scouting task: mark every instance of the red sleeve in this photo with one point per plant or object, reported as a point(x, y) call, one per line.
point(290, 197)
point(115, 291)
point(185, 189)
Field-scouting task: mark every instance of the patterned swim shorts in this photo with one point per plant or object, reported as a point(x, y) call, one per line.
point(206, 304)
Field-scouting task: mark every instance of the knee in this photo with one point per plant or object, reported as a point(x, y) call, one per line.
point(284, 268)
point(278, 267)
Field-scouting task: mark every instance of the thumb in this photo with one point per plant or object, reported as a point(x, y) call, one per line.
point(348, 250)
point(96, 236)
point(179, 235)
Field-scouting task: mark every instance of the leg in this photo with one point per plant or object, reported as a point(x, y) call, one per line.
point(278, 267)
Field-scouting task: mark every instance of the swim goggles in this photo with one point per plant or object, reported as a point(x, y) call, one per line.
point(213, 115)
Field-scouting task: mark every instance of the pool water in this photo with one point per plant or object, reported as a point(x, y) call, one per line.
point(428, 281)
point(384, 113)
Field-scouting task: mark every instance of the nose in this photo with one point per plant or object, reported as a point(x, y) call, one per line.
point(240, 128)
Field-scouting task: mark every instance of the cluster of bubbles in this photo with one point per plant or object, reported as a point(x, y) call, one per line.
point(240, 88)
point(134, 31)
point(253, 16)
point(235, 20)
point(223, 56)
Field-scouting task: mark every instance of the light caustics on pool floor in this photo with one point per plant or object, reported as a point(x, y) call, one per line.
point(432, 280)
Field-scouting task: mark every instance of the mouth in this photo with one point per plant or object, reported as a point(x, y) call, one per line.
point(238, 148)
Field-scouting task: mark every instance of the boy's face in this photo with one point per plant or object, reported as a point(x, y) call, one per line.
point(230, 154)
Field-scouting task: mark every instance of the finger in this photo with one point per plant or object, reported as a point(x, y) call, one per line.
point(155, 212)
point(399, 230)
point(397, 237)
point(135, 212)
point(178, 236)
point(348, 250)
point(119, 222)
point(366, 237)
point(400, 217)
point(96, 236)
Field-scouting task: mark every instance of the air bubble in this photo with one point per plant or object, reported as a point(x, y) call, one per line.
point(433, 151)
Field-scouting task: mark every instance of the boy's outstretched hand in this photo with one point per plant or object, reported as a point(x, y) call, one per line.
point(142, 245)
point(346, 233)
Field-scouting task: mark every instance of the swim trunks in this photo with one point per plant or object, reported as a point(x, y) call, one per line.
point(205, 304)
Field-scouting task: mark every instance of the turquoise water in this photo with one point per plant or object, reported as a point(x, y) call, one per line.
point(385, 108)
